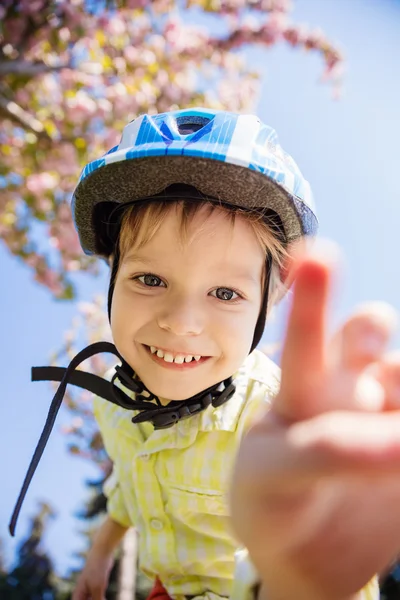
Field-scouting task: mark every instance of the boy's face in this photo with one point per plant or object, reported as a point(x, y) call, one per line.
point(199, 298)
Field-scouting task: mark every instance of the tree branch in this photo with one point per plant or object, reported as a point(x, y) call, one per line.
point(25, 67)
point(17, 114)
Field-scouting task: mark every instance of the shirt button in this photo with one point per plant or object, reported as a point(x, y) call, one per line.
point(156, 524)
point(145, 456)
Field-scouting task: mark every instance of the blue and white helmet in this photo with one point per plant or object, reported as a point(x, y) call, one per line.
point(233, 158)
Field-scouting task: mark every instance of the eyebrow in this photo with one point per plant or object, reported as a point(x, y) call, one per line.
point(128, 258)
point(227, 271)
point(240, 274)
point(152, 262)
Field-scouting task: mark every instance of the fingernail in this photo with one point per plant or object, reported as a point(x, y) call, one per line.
point(372, 343)
point(326, 250)
point(381, 314)
point(369, 393)
point(318, 248)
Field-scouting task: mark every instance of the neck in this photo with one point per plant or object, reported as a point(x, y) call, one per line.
point(164, 401)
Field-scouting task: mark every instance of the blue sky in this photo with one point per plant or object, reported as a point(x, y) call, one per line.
point(349, 151)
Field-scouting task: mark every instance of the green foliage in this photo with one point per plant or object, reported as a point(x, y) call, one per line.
point(32, 577)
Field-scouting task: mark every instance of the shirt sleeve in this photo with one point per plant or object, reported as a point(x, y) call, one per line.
point(246, 580)
point(116, 505)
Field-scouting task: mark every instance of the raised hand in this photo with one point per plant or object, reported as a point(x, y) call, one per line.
point(316, 489)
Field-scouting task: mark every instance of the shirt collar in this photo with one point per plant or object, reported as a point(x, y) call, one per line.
point(256, 367)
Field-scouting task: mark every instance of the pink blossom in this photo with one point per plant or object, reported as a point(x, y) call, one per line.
point(333, 59)
point(276, 24)
point(314, 40)
point(334, 71)
point(43, 204)
point(139, 26)
point(77, 423)
point(66, 240)
point(51, 88)
point(64, 34)
point(112, 139)
point(72, 265)
point(64, 213)
point(22, 96)
point(131, 54)
point(63, 160)
point(87, 309)
point(182, 37)
point(157, 43)
point(68, 77)
point(147, 57)
point(41, 182)
point(115, 26)
point(31, 7)
point(161, 78)
point(33, 260)
point(17, 142)
point(163, 6)
point(97, 364)
point(51, 280)
point(80, 108)
point(82, 102)
point(295, 35)
point(119, 63)
point(104, 106)
point(284, 6)
point(135, 4)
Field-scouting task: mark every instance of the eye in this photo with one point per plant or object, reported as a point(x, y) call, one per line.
point(150, 280)
point(225, 294)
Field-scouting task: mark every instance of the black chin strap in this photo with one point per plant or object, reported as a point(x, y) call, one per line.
point(50, 420)
point(165, 416)
point(161, 416)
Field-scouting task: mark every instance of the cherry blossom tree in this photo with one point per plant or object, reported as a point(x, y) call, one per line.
point(74, 72)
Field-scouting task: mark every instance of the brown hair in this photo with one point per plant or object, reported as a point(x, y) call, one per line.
point(141, 222)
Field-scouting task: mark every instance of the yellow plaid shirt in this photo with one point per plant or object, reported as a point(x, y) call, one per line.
point(171, 485)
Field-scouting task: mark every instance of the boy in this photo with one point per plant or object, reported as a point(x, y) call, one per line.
point(196, 211)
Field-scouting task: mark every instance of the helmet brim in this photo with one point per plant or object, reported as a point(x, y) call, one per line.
point(135, 179)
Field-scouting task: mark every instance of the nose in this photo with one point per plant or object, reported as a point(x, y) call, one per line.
point(181, 316)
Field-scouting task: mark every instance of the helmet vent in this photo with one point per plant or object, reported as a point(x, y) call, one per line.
point(191, 123)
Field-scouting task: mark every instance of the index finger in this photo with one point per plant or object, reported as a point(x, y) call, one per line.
point(303, 357)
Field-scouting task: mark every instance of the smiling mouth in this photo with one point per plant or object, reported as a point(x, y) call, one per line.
point(177, 360)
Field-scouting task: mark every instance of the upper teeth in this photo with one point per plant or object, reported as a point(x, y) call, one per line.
point(178, 358)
